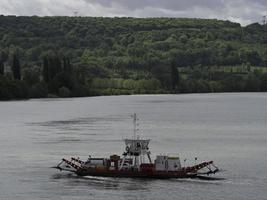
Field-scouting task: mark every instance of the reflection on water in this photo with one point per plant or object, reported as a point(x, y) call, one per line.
point(227, 128)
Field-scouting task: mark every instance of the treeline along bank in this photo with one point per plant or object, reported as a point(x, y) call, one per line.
point(85, 56)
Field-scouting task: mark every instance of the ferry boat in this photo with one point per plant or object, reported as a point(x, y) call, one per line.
point(136, 162)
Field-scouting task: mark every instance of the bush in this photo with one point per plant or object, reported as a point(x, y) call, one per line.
point(64, 92)
point(39, 90)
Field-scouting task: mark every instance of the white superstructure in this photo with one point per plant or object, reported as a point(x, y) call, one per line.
point(165, 163)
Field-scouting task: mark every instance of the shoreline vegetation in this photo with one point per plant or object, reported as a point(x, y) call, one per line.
point(44, 57)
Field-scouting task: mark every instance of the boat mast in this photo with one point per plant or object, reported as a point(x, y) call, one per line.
point(136, 157)
point(135, 125)
point(136, 148)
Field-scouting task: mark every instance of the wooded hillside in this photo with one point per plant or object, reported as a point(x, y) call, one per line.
point(83, 56)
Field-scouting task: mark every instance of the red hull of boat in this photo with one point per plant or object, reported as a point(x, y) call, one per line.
point(133, 174)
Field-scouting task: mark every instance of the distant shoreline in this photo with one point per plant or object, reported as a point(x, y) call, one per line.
point(90, 56)
point(159, 94)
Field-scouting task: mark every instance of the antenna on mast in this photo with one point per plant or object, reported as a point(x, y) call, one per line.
point(264, 20)
point(134, 116)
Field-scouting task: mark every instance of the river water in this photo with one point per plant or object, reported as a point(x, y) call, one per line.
point(230, 129)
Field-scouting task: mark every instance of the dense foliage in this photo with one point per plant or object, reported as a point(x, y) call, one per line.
point(82, 56)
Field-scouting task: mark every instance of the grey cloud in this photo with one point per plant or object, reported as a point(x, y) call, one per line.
point(169, 4)
point(242, 11)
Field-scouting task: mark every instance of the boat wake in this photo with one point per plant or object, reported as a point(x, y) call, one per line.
point(209, 178)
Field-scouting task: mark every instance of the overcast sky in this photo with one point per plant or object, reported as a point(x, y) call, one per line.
point(242, 11)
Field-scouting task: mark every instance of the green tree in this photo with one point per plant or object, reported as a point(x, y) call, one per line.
point(174, 76)
point(1, 67)
point(45, 69)
point(64, 92)
point(3, 58)
point(38, 90)
point(250, 56)
point(67, 65)
point(16, 67)
point(252, 84)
